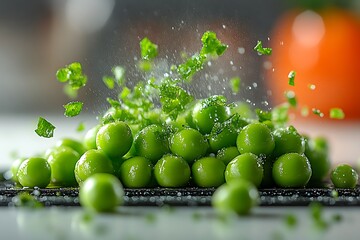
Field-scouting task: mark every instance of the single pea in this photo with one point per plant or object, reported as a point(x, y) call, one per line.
point(152, 143)
point(62, 162)
point(207, 112)
point(319, 160)
point(72, 143)
point(225, 134)
point(114, 139)
point(15, 168)
point(288, 140)
point(189, 144)
point(34, 172)
point(172, 171)
point(246, 166)
point(344, 176)
point(136, 172)
point(208, 172)
point(255, 138)
point(243, 109)
point(292, 170)
point(90, 138)
point(227, 154)
point(91, 162)
point(238, 196)
point(102, 192)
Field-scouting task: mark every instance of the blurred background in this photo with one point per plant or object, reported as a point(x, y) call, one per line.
point(318, 39)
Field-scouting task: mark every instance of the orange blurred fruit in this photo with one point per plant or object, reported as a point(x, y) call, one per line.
point(323, 49)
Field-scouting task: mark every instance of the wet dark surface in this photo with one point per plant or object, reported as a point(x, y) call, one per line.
point(189, 196)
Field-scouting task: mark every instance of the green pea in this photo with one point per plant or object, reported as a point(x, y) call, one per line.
point(292, 170)
point(15, 168)
point(72, 143)
point(255, 138)
point(319, 160)
point(227, 154)
point(238, 196)
point(91, 162)
point(172, 171)
point(114, 139)
point(344, 176)
point(208, 172)
point(101, 192)
point(246, 166)
point(152, 143)
point(205, 116)
point(34, 172)
point(136, 172)
point(189, 144)
point(288, 140)
point(62, 161)
point(90, 138)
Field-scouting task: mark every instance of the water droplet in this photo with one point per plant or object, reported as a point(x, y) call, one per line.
point(265, 103)
point(267, 65)
point(234, 68)
point(241, 50)
point(268, 38)
point(281, 43)
point(231, 63)
point(209, 63)
point(312, 86)
point(273, 69)
point(223, 26)
point(255, 85)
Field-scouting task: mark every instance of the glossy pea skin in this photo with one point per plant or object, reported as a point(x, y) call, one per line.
point(34, 172)
point(152, 143)
point(172, 171)
point(90, 138)
point(246, 166)
point(288, 140)
point(255, 138)
point(226, 137)
point(238, 196)
point(189, 144)
point(227, 154)
point(15, 168)
point(62, 161)
point(114, 139)
point(344, 176)
point(72, 143)
point(136, 172)
point(292, 170)
point(319, 159)
point(204, 117)
point(91, 162)
point(208, 172)
point(101, 192)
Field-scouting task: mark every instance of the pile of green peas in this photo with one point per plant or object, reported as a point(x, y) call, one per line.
point(206, 146)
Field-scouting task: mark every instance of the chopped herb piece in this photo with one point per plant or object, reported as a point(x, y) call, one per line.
point(263, 115)
point(291, 220)
point(212, 45)
point(317, 112)
point(45, 128)
point(80, 127)
point(280, 114)
point(235, 84)
point(73, 109)
point(290, 96)
point(113, 103)
point(261, 50)
point(173, 99)
point(70, 91)
point(337, 113)
point(145, 66)
point(316, 213)
point(109, 82)
point(24, 199)
point(63, 74)
point(291, 77)
point(119, 75)
point(191, 66)
point(148, 49)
